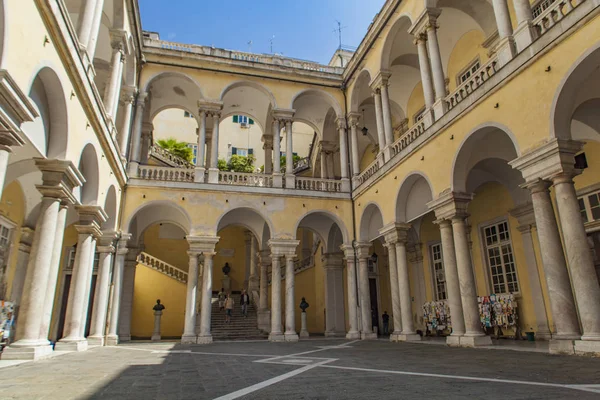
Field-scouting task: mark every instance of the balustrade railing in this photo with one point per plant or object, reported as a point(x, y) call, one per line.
point(153, 173)
point(407, 138)
point(369, 172)
point(170, 158)
point(477, 79)
point(301, 265)
point(162, 267)
point(245, 179)
point(301, 165)
point(549, 12)
point(317, 184)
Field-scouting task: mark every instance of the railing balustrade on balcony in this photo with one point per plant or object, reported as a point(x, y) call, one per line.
point(153, 173)
point(549, 12)
point(369, 172)
point(317, 184)
point(245, 179)
point(169, 158)
point(408, 137)
point(465, 89)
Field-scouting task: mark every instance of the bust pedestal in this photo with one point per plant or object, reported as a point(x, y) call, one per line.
point(156, 333)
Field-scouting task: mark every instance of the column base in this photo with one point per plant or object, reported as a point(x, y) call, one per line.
point(291, 337)
point(475, 341)
point(112, 340)
point(561, 347)
point(387, 153)
point(587, 347)
point(264, 320)
point(380, 159)
point(305, 334)
point(543, 334)
point(395, 336)
point(368, 336)
point(453, 341)
point(96, 340)
point(345, 185)
point(524, 35)
point(27, 353)
point(353, 335)
point(199, 175)
point(204, 339)
point(334, 334)
point(188, 339)
point(124, 338)
point(290, 181)
point(277, 180)
point(409, 337)
point(276, 337)
point(592, 337)
point(428, 118)
point(71, 345)
point(213, 175)
point(155, 338)
point(133, 168)
point(440, 108)
point(506, 51)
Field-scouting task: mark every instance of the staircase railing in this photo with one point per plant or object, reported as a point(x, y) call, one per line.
point(162, 267)
point(169, 158)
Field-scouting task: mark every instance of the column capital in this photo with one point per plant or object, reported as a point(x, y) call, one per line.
point(119, 41)
point(427, 20)
point(381, 79)
point(203, 245)
point(59, 178)
point(282, 114)
point(26, 239)
point(524, 215)
point(107, 241)
point(420, 38)
point(268, 142)
point(147, 128)
point(395, 232)
point(362, 249)
point(15, 109)
point(128, 94)
point(193, 253)
point(354, 118)
point(340, 123)
point(123, 242)
point(333, 261)
point(210, 107)
point(91, 219)
point(141, 99)
point(553, 158)
point(450, 205)
point(327, 147)
point(283, 247)
point(348, 251)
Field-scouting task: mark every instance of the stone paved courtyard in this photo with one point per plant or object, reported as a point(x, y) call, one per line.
point(312, 369)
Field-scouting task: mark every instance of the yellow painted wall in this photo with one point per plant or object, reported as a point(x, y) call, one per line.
point(149, 286)
point(232, 237)
point(591, 174)
point(12, 207)
point(367, 158)
point(467, 49)
point(416, 102)
point(172, 251)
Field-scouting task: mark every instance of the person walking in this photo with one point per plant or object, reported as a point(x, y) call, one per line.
point(386, 323)
point(244, 301)
point(228, 308)
point(222, 296)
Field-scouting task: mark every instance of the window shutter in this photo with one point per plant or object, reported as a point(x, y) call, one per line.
point(233, 151)
point(250, 151)
point(235, 119)
point(251, 121)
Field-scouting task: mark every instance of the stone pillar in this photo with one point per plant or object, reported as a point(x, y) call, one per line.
point(506, 47)
point(253, 281)
point(268, 148)
point(124, 134)
point(290, 178)
point(303, 331)
point(127, 296)
point(205, 336)
point(439, 80)
point(390, 244)
point(189, 330)
point(277, 181)
point(408, 328)
point(264, 315)
point(324, 174)
point(100, 309)
point(353, 333)
point(95, 30)
point(526, 218)
point(21, 269)
point(354, 118)
point(426, 81)
point(54, 269)
point(208, 148)
point(580, 259)
point(4, 156)
point(136, 145)
point(525, 33)
point(58, 180)
point(112, 337)
point(276, 334)
point(199, 176)
point(341, 125)
point(290, 310)
point(156, 333)
point(334, 294)
point(88, 229)
point(387, 113)
point(147, 131)
point(364, 292)
point(86, 21)
point(380, 124)
point(113, 87)
point(213, 172)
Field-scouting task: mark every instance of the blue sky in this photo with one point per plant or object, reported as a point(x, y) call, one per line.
point(303, 28)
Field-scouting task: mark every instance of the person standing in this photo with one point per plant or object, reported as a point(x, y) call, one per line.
point(222, 296)
point(386, 323)
point(244, 301)
point(228, 308)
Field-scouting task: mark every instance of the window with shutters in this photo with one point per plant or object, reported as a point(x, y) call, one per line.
point(194, 148)
point(243, 120)
point(500, 258)
point(439, 274)
point(589, 205)
point(469, 71)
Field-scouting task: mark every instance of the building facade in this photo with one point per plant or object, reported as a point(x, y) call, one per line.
point(451, 163)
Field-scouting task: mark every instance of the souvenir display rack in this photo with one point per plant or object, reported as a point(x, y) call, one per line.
point(498, 313)
point(436, 316)
point(7, 313)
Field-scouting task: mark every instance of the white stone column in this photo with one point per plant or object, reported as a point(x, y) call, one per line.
point(506, 48)
point(253, 281)
point(113, 87)
point(213, 172)
point(380, 123)
point(525, 33)
point(112, 337)
point(21, 270)
point(54, 268)
point(437, 69)
point(106, 250)
point(208, 148)
point(452, 283)
point(395, 291)
point(276, 147)
point(86, 20)
point(364, 292)
point(264, 316)
point(354, 142)
point(408, 328)
point(189, 330)
point(290, 178)
point(276, 334)
point(473, 336)
point(334, 295)
point(580, 259)
point(199, 177)
point(353, 332)
point(324, 174)
point(126, 308)
point(341, 125)
point(95, 30)
point(426, 80)
point(382, 82)
point(330, 165)
point(147, 131)
point(205, 335)
point(4, 156)
point(136, 137)
point(290, 315)
point(125, 132)
point(268, 148)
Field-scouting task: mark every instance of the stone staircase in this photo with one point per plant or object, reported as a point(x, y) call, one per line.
point(239, 328)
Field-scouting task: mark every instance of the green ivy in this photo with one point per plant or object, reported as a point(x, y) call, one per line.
point(180, 149)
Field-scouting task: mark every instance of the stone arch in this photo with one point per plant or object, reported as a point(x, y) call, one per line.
point(371, 222)
point(171, 74)
point(585, 123)
point(335, 239)
point(322, 222)
point(88, 166)
point(255, 85)
point(401, 24)
point(49, 131)
point(481, 11)
point(414, 194)
point(357, 96)
point(322, 95)
point(154, 212)
point(571, 92)
point(110, 207)
point(249, 218)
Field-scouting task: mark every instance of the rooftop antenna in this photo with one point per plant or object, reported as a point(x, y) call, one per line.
point(250, 46)
point(339, 30)
point(271, 40)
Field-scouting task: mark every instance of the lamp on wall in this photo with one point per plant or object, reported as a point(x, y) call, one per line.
point(364, 130)
point(374, 257)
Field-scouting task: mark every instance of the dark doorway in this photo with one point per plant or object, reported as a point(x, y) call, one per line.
point(374, 308)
